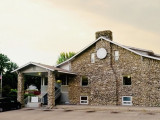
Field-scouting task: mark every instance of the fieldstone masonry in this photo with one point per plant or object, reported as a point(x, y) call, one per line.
point(106, 77)
point(20, 93)
point(107, 34)
point(51, 89)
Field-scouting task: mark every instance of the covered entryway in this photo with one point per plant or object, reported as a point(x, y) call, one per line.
point(54, 83)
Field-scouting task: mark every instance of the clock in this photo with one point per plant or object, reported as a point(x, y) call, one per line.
point(101, 53)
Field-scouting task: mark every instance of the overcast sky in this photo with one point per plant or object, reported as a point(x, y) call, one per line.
point(38, 30)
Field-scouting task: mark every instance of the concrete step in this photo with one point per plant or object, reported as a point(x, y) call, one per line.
point(33, 105)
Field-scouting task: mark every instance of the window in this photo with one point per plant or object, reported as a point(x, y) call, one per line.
point(65, 82)
point(83, 99)
point(127, 100)
point(127, 80)
point(93, 58)
point(116, 55)
point(84, 81)
point(46, 81)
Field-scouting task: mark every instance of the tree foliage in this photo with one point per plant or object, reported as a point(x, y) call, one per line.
point(64, 56)
point(6, 65)
point(9, 79)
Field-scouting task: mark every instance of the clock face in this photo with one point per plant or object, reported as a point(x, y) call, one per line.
point(101, 53)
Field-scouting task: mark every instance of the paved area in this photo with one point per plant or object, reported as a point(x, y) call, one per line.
point(109, 108)
point(83, 113)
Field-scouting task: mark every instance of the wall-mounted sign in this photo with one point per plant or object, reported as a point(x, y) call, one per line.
point(34, 99)
point(101, 53)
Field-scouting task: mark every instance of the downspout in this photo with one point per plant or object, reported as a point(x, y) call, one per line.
point(114, 73)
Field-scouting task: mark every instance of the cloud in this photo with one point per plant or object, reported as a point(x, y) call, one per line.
point(143, 14)
point(37, 30)
point(133, 22)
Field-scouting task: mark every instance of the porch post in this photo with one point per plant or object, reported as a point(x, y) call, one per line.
point(51, 89)
point(20, 92)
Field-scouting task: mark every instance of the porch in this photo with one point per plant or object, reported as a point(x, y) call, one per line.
point(53, 85)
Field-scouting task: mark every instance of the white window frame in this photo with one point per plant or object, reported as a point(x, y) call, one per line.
point(127, 102)
point(116, 55)
point(93, 58)
point(84, 100)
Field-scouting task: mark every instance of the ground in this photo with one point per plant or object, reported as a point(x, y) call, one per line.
point(83, 113)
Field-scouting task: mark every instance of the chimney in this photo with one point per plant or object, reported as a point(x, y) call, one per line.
point(105, 33)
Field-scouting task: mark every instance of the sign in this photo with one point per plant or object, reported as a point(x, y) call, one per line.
point(101, 53)
point(34, 99)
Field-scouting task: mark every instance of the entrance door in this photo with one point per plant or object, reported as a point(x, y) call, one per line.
point(64, 92)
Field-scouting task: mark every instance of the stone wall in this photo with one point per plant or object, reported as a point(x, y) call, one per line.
point(106, 33)
point(20, 91)
point(106, 77)
point(51, 89)
point(102, 86)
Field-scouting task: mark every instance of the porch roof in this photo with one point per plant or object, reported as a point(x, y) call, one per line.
point(47, 67)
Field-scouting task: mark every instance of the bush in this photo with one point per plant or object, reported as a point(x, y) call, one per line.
point(6, 90)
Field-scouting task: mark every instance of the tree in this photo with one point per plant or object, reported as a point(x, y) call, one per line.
point(64, 56)
point(3, 63)
point(9, 79)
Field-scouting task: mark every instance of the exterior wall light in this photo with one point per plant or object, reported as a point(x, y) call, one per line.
point(39, 73)
point(59, 81)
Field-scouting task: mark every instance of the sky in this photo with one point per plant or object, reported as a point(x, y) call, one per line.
point(39, 30)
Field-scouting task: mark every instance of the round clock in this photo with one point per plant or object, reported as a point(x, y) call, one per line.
point(101, 53)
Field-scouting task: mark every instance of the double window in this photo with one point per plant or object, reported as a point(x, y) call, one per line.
point(84, 81)
point(83, 99)
point(127, 100)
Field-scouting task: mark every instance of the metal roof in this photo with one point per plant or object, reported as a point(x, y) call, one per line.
point(47, 67)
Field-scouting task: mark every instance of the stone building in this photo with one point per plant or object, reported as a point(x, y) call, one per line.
point(103, 73)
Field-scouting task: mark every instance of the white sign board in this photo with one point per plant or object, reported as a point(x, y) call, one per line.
point(34, 99)
point(101, 53)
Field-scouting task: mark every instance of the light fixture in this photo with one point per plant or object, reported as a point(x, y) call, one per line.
point(59, 81)
point(129, 76)
point(39, 73)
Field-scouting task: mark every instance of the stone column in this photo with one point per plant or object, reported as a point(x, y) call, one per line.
point(20, 92)
point(51, 89)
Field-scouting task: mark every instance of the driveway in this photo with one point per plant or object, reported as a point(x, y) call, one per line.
point(84, 113)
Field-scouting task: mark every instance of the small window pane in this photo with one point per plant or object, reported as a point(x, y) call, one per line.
point(83, 101)
point(46, 81)
point(93, 58)
point(116, 55)
point(84, 81)
point(83, 98)
point(127, 80)
point(65, 82)
point(126, 98)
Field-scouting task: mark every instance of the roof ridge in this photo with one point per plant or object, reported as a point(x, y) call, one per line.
point(141, 49)
point(123, 46)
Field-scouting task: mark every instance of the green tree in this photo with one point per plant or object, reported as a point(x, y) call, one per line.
point(9, 79)
point(4, 60)
point(64, 56)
